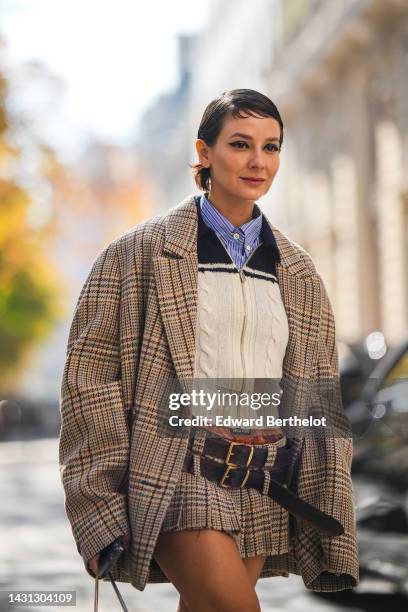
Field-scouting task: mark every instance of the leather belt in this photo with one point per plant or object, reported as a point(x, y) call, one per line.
point(245, 455)
point(241, 469)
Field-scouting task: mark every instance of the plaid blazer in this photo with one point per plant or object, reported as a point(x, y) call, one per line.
point(134, 324)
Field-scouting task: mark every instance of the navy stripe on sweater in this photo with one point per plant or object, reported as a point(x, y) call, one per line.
point(210, 250)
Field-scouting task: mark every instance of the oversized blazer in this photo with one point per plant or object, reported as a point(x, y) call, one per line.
point(134, 324)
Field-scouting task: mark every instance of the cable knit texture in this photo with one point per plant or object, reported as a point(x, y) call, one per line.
point(242, 328)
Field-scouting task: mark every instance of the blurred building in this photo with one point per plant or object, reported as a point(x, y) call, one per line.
point(163, 143)
point(337, 70)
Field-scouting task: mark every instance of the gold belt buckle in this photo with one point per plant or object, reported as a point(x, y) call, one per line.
point(231, 451)
point(227, 471)
point(234, 466)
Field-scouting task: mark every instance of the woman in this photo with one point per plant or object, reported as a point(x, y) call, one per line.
point(211, 290)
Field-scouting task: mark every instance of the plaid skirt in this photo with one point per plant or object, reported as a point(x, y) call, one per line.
point(258, 524)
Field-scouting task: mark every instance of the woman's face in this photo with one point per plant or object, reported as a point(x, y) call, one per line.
point(245, 148)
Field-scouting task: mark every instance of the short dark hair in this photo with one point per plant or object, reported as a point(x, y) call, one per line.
point(237, 103)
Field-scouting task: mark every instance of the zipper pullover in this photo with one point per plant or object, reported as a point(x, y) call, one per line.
point(242, 328)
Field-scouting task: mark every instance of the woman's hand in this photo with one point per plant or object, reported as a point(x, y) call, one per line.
point(93, 563)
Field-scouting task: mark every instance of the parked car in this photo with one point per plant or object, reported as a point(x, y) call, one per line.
point(379, 421)
point(357, 361)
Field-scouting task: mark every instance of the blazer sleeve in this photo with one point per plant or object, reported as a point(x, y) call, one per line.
point(94, 435)
point(328, 563)
point(328, 332)
point(327, 388)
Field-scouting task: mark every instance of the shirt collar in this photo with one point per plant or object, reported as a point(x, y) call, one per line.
point(265, 234)
point(217, 221)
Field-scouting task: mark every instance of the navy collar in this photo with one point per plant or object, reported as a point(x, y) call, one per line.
point(266, 234)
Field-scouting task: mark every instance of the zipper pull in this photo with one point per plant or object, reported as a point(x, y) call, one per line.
point(242, 275)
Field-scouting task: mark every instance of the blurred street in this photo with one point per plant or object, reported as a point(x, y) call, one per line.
point(38, 550)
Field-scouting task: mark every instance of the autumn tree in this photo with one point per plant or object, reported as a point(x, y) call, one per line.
point(28, 304)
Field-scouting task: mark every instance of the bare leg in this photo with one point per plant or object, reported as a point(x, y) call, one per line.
point(253, 566)
point(206, 568)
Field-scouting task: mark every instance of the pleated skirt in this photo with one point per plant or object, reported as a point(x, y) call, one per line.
point(258, 524)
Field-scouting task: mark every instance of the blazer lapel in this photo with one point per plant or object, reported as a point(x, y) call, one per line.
point(176, 276)
point(176, 282)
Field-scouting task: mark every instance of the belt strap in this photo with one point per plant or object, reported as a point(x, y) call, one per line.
point(244, 455)
point(238, 477)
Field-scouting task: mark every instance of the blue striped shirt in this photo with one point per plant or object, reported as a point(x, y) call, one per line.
point(240, 242)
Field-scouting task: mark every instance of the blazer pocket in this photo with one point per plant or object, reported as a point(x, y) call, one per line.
point(152, 485)
point(105, 415)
